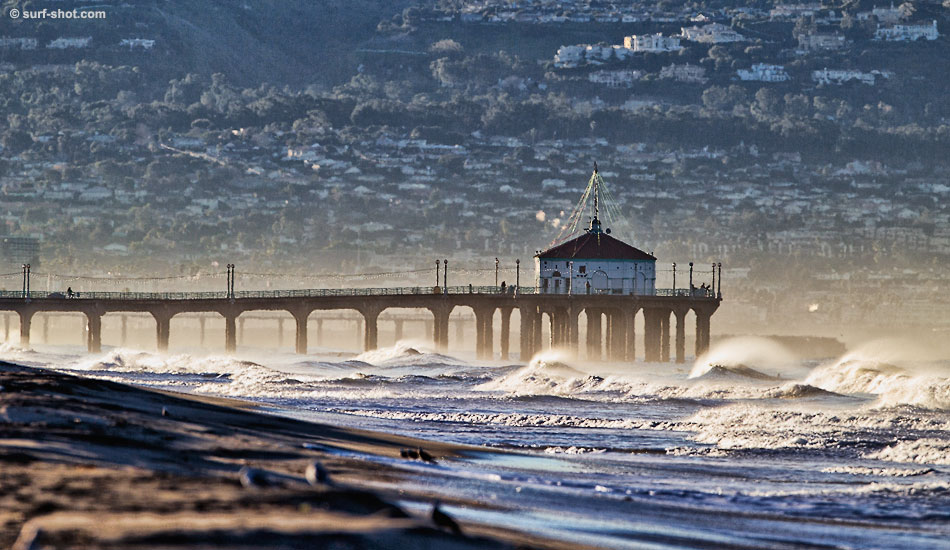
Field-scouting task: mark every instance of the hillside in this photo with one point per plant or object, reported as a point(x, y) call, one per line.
point(294, 42)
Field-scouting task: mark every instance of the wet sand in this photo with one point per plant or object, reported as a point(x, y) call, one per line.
point(96, 464)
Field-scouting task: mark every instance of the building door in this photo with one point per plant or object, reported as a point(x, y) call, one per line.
point(598, 281)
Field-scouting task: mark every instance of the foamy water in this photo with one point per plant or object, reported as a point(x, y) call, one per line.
point(746, 431)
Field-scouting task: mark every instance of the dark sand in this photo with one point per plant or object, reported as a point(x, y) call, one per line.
point(95, 464)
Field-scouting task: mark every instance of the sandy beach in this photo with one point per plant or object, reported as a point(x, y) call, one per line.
point(96, 464)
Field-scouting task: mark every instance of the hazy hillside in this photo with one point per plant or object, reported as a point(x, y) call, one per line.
point(293, 42)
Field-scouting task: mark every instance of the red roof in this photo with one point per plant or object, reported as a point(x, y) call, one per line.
point(596, 246)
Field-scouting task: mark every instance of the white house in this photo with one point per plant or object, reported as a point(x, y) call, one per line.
point(132, 43)
point(908, 33)
point(822, 41)
point(684, 73)
point(21, 43)
point(63, 43)
point(652, 43)
point(713, 33)
point(595, 263)
point(840, 76)
point(615, 79)
point(570, 56)
point(764, 72)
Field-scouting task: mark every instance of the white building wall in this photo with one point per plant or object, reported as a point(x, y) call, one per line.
point(554, 276)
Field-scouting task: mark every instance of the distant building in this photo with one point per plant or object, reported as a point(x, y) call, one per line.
point(889, 16)
point(652, 43)
point(615, 79)
point(21, 43)
point(907, 33)
point(684, 73)
point(714, 33)
point(794, 11)
point(831, 76)
point(764, 73)
point(822, 41)
point(64, 43)
point(595, 263)
point(142, 43)
point(570, 56)
point(20, 250)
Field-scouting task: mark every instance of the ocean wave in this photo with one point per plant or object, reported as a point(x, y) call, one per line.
point(407, 354)
point(920, 451)
point(505, 419)
point(756, 427)
point(891, 384)
point(880, 472)
point(733, 372)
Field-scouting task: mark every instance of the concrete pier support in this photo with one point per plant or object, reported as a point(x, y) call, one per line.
point(571, 328)
point(162, 330)
point(124, 335)
point(230, 333)
point(680, 335)
point(26, 321)
point(319, 334)
point(46, 329)
point(702, 331)
point(94, 332)
point(241, 330)
point(300, 341)
point(526, 344)
point(484, 333)
point(616, 330)
point(505, 331)
point(398, 329)
point(440, 327)
point(630, 334)
point(6, 327)
point(651, 335)
point(371, 334)
point(664, 335)
point(594, 335)
point(280, 332)
point(538, 331)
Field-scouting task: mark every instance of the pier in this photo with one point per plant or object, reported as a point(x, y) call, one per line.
point(610, 331)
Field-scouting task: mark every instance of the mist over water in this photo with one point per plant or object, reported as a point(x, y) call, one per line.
point(745, 429)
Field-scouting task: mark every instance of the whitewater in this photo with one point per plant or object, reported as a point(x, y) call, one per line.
point(744, 447)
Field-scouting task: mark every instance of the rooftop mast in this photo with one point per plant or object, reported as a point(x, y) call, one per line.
point(595, 221)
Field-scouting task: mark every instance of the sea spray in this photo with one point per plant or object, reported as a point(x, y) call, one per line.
point(761, 354)
point(895, 372)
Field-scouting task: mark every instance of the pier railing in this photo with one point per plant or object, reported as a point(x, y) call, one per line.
point(332, 292)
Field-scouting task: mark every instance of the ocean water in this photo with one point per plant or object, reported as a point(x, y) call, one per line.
point(746, 447)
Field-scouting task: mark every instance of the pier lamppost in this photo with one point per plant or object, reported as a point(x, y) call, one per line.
point(691, 279)
point(437, 274)
point(674, 278)
point(445, 276)
point(230, 292)
point(26, 281)
point(496, 271)
point(517, 275)
point(719, 286)
point(713, 285)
